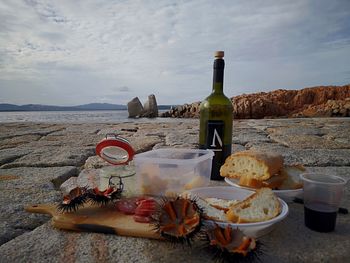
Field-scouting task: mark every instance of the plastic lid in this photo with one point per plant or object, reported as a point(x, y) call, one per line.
point(175, 156)
point(115, 150)
point(219, 54)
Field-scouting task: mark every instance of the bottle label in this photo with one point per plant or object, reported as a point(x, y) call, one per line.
point(215, 142)
point(215, 135)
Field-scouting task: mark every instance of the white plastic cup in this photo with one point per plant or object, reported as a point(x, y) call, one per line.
point(322, 196)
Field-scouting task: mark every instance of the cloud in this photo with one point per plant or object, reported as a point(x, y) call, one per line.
point(83, 50)
point(123, 89)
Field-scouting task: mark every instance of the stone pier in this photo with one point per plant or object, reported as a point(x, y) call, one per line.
point(36, 158)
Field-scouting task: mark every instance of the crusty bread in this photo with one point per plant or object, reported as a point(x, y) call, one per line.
point(221, 204)
point(210, 212)
point(260, 206)
point(273, 182)
point(292, 173)
point(252, 164)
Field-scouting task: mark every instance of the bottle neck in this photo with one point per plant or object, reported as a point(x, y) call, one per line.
point(218, 76)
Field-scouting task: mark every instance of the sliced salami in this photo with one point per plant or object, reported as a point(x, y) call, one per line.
point(144, 210)
point(127, 206)
point(141, 207)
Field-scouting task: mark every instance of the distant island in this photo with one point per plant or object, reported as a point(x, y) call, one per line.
point(84, 107)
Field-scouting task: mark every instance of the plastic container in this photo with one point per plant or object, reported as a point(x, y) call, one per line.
point(172, 171)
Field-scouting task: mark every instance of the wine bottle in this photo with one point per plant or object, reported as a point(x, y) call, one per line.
point(215, 130)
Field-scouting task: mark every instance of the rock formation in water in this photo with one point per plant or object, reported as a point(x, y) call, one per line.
point(149, 109)
point(134, 108)
point(323, 101)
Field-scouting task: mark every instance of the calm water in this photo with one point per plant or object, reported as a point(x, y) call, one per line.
point(75, 117)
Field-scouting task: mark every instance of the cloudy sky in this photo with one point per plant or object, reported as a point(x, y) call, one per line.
point(75, 52)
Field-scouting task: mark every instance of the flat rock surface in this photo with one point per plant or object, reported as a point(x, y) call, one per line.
point(36, 158)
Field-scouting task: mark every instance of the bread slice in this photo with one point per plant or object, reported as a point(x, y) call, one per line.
point(221, 204)
point(292, 174)
point(209, 212)
point(261, 206)
point(273, 182)
point(252, 164)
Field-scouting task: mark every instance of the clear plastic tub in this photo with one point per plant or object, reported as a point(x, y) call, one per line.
point(172, 171)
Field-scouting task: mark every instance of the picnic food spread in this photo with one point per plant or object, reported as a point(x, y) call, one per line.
point(165, 213)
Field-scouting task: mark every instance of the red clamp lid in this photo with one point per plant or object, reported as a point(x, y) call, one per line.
point(115, 150)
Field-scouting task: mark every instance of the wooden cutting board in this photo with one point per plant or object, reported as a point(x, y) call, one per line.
point(96, 219)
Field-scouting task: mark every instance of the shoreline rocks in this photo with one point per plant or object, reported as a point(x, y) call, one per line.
point(148, 110)
point(134, 107)
point(323, 101)
point(183, 111)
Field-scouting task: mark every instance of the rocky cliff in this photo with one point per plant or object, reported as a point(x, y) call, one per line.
point(323, 101)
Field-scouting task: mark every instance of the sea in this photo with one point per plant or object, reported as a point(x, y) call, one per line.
point(108, 116)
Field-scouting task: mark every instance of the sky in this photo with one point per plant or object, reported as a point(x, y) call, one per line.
point(83, 51)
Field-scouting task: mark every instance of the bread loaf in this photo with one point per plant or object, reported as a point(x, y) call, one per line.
point(292, 175)
point(273, 182)
point(261, 206)
point(252, 165)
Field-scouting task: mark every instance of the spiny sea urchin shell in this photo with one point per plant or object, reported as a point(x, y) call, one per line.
point(103, 197)
point(76, 198)
point(231, 245)
point(178, 219)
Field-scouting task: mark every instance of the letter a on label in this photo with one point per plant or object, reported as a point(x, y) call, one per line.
point(216, 136)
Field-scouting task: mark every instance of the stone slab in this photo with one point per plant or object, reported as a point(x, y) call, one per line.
point(143, 143)
point(181, 138)
point(21, 187)
point(296, 130)
point(25, 128)
point(243, 136)
point(18, 140)
point(9, 155)
point(30, 237)
point(53, 156)
point(291, 241)
point(36, 177)
point(46, 244)
point(76, 139)
point(309, 142)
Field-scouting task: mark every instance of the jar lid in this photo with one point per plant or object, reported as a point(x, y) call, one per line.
point(115, 150)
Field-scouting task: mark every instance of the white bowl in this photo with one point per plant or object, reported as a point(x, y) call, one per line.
point(286, 195)
point(257, 229)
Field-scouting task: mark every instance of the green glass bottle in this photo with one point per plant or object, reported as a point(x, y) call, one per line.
point(215, 130)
